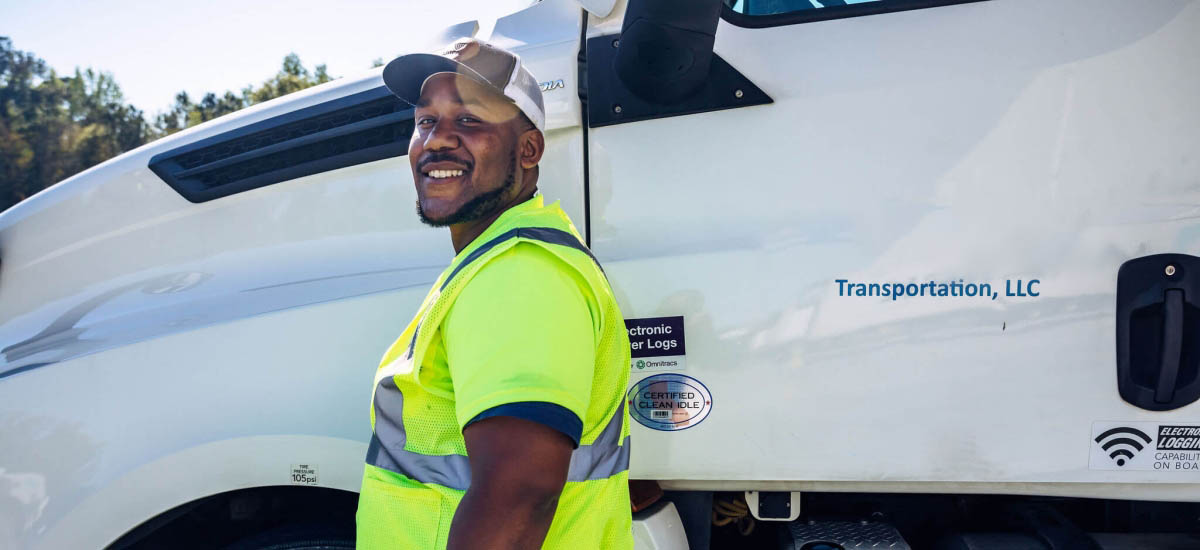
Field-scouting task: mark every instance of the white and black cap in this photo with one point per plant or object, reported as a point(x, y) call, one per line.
point(493, 67)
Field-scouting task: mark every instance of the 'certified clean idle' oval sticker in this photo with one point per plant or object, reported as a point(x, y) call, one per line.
point(669, 402)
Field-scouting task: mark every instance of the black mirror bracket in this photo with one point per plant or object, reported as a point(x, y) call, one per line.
point(662, 64)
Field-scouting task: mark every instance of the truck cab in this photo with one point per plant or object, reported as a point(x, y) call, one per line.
point(919, 271)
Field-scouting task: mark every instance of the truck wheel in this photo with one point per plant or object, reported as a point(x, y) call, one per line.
point(297, 537)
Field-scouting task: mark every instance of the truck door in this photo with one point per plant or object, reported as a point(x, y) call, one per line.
point(903, 266)
point(546, 36)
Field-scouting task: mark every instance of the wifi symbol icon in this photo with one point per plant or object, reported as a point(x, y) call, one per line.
point(1122, 443)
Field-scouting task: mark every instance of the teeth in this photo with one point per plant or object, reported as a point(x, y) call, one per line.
point(445, 173)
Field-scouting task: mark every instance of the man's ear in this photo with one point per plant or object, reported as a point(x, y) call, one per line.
point(530, 146)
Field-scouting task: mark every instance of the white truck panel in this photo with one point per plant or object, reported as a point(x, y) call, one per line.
point(974, 141)
point(195, 327)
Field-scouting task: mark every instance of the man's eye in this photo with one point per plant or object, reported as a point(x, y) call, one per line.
point(468, 119)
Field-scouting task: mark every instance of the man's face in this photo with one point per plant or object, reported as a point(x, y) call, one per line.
point(463, 150)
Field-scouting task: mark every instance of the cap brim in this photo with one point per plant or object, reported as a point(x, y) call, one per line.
point(405, 75)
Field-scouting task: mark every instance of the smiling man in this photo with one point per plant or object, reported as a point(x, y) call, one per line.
point(498, 415)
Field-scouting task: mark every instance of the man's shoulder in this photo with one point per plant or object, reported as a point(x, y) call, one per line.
point(522, 286)
point(524, 264)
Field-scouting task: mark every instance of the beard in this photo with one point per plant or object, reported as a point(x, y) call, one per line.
point(479, 206)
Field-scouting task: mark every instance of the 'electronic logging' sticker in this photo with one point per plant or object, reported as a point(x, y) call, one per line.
point(669, 402)
point(656, 344)
point(1149, 446)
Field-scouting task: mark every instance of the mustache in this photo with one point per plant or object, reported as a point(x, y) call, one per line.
point(435, 156)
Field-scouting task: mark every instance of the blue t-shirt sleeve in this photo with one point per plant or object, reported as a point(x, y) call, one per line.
point(555, 416)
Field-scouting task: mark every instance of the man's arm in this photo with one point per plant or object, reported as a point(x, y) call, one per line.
point(518, 469)
point(520, 347)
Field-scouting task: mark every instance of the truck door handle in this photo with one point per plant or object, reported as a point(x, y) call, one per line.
point(1158, 331)
point(1172, 345)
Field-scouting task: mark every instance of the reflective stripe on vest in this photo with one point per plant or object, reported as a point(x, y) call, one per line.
point(607, 456)
point(604, 458)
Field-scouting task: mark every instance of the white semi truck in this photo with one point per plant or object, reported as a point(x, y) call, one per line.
point(918, 273)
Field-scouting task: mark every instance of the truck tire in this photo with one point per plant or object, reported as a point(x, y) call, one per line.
point(298, 537)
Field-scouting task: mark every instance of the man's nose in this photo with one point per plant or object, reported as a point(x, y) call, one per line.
point(441, 136)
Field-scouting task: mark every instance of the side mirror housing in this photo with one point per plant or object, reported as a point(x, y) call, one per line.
point(666, 47)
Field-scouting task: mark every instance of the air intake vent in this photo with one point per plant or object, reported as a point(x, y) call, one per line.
point(355, 129)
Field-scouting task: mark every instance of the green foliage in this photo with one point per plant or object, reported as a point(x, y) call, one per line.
point(293, 76)
point(52, 126)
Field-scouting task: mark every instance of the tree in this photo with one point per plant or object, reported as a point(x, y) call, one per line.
point(292, 77)
point(52, 126)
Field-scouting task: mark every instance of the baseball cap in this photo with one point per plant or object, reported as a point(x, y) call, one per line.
point(495, 68)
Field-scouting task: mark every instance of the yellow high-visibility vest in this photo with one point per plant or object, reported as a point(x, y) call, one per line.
point(522, 314)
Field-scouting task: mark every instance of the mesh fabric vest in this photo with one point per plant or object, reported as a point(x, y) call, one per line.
point(416, 468)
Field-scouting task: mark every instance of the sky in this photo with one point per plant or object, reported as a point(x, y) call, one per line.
point(156, 49)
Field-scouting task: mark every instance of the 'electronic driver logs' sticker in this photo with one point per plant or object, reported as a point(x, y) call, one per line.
point(1152, 446)
point(669, 402)
point(656, 343)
